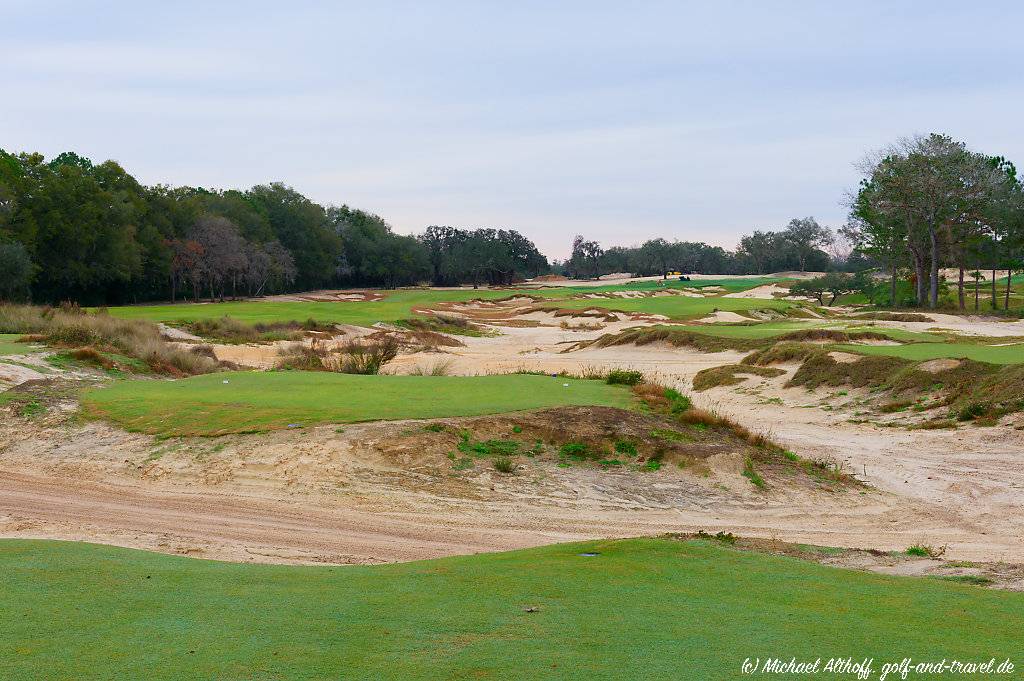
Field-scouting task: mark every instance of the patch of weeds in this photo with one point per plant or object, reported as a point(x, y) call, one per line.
point(653, 464)
point(610, 462)
point(972, 411)
point(977, 580)
point(504, 464)
point(670, 435)
point(678, 402)
point(339, 429)
point(620, 377)
point(723, 537)
point(625, 447)
point(32, 408)
point(434, 427)
point(925, 550)
point(460, 463)
point(517, 429)
point(820, 550)
point(961, 564)
point(752, 475)
point(486, 447)
point(895, 406)
point(790, 455)
point(576, 450)
point(538, 447)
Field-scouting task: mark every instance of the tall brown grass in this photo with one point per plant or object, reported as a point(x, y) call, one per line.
point(71, 327)
point(352, 358)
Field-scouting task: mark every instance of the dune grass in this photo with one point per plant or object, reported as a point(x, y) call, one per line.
point(238, 402)
point(998, 354)
point(650, 608)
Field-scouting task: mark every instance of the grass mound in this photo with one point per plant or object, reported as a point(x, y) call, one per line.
point(894, 316)
point(974, 391)
point(598, 606)
point(230, 330)
point(730, 375)
point(443, 323)
point(679, 337)
point(781, 352)
point(833, 335)
point(259, 401)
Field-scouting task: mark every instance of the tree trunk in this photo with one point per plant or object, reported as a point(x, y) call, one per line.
point(1009, 280)
point(892, 285)
point(919, 293)
point(995, 297)
point(960, 290)
point(977, 289)
point(933, 274)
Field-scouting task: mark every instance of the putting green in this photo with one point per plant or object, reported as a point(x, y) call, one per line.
point(237, 402)
point(640, 608)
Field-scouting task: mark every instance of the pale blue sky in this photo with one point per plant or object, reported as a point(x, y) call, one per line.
point(622, 121)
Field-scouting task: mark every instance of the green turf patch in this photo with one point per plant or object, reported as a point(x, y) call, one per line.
point(673, 609)
point(9, 345)
point(235, 402)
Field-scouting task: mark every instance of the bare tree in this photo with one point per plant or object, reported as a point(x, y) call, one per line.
point(224, 259)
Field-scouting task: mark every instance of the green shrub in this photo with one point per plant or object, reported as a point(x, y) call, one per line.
point(972, 411)
point(620, 377)
point(625, 447)
point(752, 475)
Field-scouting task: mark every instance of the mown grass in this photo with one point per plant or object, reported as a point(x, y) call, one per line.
point(9, 345)
point(651, 608)
point(396, 306)
point(999, 354)
point(259, 401)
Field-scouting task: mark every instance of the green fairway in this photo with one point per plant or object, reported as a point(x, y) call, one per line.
point(9, 346)
point(641, 608)
point(398, 305)
point(395, 305)
point(238, 402)
point(1004, 354)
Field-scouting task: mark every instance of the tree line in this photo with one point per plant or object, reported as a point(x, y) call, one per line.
point(74, 230)
point(802, 245)
point(91, 233)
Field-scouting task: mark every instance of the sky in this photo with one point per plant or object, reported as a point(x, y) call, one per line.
point(620, 121)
